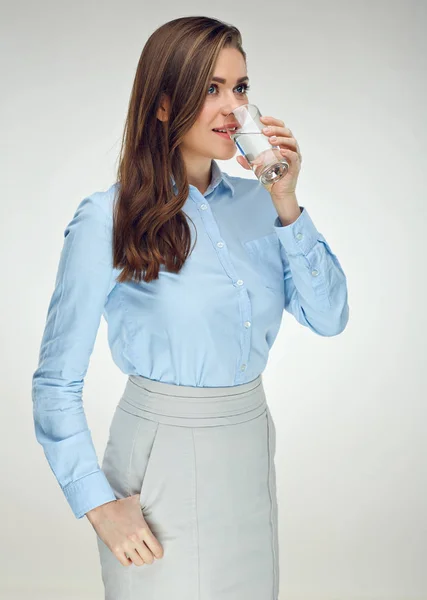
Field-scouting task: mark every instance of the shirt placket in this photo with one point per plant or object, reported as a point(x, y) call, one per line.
point(245, 309)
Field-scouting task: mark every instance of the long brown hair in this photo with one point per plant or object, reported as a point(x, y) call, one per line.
point(149, 227)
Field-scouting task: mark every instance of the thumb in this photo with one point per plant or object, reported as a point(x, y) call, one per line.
point(243, 162)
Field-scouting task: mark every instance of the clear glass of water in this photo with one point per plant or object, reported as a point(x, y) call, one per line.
point(265, 159)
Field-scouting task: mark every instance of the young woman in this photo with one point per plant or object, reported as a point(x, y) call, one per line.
point(192, 269)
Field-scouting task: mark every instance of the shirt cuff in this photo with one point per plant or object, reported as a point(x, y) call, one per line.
point(88, 492)
point(298, 237)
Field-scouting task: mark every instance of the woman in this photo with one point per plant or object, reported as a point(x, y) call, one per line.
point(188, 474)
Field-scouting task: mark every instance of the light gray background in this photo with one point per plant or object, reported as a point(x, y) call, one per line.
point(349, 79)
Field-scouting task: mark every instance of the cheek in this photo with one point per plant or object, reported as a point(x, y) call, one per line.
point(191, 137)
point(201, 129)
point(197, 135)
point(208, 118)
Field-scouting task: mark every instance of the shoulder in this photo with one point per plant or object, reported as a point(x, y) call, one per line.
point(101, 201)
point(93, 214)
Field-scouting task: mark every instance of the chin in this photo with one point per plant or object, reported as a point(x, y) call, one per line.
point(226, 154)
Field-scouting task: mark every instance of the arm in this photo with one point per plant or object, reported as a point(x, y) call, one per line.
point(315, 283)
point(83, 282)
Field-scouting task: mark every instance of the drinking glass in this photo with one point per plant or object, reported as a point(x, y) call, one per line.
point(265, 159)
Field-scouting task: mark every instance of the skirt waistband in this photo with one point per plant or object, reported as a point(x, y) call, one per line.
point(193, 406)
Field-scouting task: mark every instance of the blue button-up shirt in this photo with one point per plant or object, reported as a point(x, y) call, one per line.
point(212, 324)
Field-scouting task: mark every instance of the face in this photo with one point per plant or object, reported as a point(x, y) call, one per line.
point(221, 98)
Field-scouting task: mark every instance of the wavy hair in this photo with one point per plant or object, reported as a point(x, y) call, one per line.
point(149, 226)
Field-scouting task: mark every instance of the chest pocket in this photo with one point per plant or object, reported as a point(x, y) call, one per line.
point(265, 254)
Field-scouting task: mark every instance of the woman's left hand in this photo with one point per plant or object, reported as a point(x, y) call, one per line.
point(289, 149)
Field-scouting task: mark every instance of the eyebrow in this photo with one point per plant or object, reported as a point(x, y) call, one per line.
point(221, 80)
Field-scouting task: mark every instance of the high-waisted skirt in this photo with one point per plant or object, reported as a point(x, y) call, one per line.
point(202, 460)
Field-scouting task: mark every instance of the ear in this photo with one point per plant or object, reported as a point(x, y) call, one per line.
point(163, 111)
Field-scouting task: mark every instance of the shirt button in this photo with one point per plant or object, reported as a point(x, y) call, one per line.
point(243, 367)
point(203, 206)
point(239, 282)
point(247, 323)
point(220, 244)
point(299, 236)
point(315, 273)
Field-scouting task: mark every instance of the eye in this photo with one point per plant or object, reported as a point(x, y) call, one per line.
point(246, 87)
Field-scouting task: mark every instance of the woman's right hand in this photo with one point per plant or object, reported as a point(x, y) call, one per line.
point(121, 526)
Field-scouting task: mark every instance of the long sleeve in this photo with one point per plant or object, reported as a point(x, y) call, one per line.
point(315, 283)
point(83, 282)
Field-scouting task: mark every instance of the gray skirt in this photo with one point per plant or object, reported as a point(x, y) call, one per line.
point(202, 460)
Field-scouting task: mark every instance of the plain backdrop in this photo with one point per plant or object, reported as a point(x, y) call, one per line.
point(349, 79)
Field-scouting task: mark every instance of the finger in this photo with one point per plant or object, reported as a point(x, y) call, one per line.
point(294, 156)
point(144, 553)
point(272, 121)
point(139, 554)
point(147, 536)
point(135, 558)
point(274, 130)
point(124, 558)
point(138, 551)
point(284, 141)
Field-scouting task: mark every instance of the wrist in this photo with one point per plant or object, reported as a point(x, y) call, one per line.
point(288, 209)
point(94, 513)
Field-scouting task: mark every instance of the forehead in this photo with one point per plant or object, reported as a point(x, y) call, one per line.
point(230, 64)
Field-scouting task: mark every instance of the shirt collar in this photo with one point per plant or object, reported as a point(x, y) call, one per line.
point(218, 177)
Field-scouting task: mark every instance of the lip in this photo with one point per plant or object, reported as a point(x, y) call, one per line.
point(224, 136)
point(230, 126)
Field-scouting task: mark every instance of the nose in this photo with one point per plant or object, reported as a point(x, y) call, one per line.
point(228, 108)
point(232, 103)
point(232, 120)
